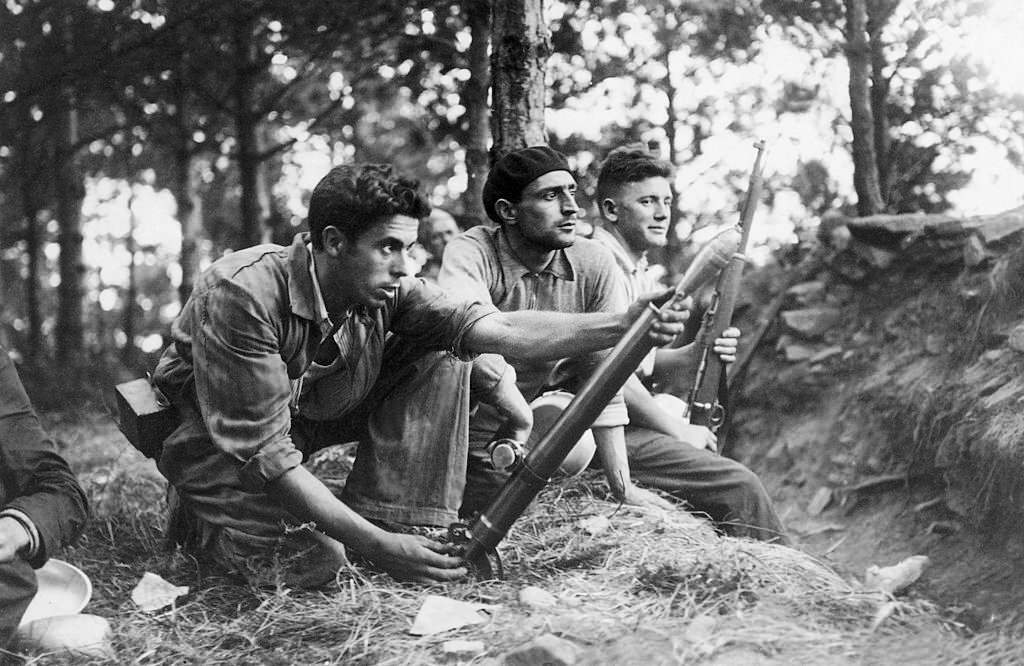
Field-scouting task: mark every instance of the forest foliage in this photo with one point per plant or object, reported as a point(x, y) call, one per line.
point(140, 139)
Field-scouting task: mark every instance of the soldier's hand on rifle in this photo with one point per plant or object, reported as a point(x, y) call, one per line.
point(699, 437)
point(727, 345)
point(669, 322)
point(416, 558)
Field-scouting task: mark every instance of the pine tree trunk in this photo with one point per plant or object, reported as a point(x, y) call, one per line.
point(190, 217)
point(245, 134)
point(519, 55)
point(474, 97)
point(131, 295)
point(673, 246)
point(33, 250)
point(879, 101)
point(70, 192)
point(865, 162)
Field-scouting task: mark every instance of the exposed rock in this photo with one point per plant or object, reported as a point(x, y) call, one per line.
point(822, 498)
point(893, 579)
point(547, 649)
point(875, 257)
point(826, 353)
point(806, 293)
point(839, 294)
point(536, 597)
point(811, 322)
point(861, 338)
point(463, 648)
point(935, 239)
point(797, 352)
point(1016, 339)
point(975, 252)
point(934, 344)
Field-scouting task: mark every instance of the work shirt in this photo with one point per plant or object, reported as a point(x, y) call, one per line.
point(480, 264)
point(249, 332)
point(37, 488)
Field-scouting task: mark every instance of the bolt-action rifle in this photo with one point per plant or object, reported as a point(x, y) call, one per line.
point(703, 406)
point(533, 472)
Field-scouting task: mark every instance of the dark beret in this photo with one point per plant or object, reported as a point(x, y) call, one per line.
point(512, 173)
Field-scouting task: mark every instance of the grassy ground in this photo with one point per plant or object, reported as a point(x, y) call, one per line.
point(651, 588)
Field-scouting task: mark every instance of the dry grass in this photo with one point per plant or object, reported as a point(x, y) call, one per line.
point(653, 588)
point(640, 585)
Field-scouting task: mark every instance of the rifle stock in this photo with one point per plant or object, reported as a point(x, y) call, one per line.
point(703, 404)
point(534, 472)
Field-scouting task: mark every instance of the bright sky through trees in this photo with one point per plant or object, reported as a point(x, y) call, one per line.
point(996, 38)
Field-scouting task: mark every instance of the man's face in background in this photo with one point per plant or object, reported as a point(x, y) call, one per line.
point(441, 229)
point(641, 211)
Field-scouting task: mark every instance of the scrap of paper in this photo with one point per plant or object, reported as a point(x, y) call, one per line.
point(439, 614)
point(153, 593)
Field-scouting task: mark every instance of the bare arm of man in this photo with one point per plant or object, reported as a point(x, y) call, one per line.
point(644, 411)
point(529, 334)
point(403, 556)
point(611, 450)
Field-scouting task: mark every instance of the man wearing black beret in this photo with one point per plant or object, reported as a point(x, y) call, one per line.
point(533, 260)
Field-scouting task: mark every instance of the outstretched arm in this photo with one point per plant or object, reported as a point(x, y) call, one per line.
point(528, 334)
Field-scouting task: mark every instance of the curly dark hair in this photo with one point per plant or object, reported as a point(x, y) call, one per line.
point(629, 164)
point(354, 197)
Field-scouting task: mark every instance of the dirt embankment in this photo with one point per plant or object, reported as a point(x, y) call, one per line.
point(885, 410)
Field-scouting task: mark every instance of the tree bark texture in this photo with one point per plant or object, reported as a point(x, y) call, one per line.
point(674, 244)
point(474, 97)
point(520, 50)
point(33, 250)
point(246, 134)
point(70, 192)
point(132, 293)
point(190, 207)
point(865, 162)
point(879, 12)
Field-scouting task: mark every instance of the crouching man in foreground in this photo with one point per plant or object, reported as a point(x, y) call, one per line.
point(260, 318)
point(42, 507)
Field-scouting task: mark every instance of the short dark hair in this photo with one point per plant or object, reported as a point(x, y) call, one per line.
point(629, 164)
point(354, 197)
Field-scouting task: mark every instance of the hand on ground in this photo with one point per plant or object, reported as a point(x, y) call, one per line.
point(415, 558)
point(636, 496)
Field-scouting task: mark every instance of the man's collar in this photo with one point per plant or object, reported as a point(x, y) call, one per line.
point(304, 292)
point(513, 269)
point(622, 255)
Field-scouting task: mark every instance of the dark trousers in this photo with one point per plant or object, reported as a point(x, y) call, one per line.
point(722, 488)
point(17, 587)
point(729, 493)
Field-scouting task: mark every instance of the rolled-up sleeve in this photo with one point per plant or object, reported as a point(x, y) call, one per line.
point(428, 316)
point(242, 384)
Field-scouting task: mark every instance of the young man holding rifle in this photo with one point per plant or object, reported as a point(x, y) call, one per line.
point(634, 198)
